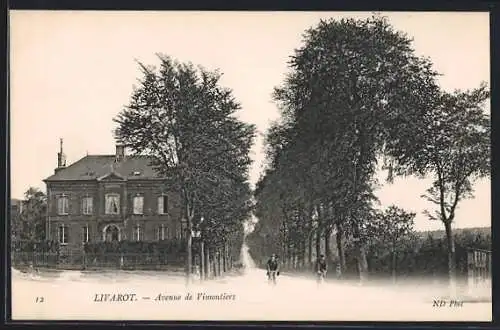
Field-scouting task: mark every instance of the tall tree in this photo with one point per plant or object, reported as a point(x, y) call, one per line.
point(350, 83)
point(184, 120)
point(453, 149)
point(392, 226)
point(33, 215)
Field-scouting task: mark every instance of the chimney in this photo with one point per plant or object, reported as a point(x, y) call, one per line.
point(120, 152)
point(61, 157)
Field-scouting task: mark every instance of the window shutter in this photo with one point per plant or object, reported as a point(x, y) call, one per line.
point(60, 204)
point(165, 203)
point(107, 206)
point(68, 201)
point(160, 205)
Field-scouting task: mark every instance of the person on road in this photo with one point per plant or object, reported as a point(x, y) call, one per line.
point(321, 268)
point(273, 269)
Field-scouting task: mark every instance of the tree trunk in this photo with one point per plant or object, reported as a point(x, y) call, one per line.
point(189, 259)
point(219, 268)
point(310, 250)
point(318, 243)
point(328, 251)
point(394, 259)
point(214, 263)
point(224, 258)
point(304, 253)
point(207, 263)
point(451, 257)
point(360, 161)
point(202, 260)
point(318, 233)
point(310, 237)
point(362, 263)
point(188, 214)
point(340, 248)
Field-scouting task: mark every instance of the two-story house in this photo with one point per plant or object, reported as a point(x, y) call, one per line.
point(110, 198)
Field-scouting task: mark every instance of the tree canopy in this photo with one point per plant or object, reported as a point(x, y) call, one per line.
point(185, 121)
point(357, 93)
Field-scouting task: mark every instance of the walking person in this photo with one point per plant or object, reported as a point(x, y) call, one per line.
point(272, 269)
point(321, 269)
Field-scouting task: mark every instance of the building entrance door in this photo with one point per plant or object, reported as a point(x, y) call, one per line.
point(111, 233)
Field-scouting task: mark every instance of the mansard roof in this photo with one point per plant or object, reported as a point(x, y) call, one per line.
point(104, 167)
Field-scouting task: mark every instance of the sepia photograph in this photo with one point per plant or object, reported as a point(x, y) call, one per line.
point(250, 166)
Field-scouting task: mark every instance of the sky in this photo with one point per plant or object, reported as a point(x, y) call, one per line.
point(72, 72)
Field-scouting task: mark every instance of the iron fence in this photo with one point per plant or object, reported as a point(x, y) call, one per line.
point(479, 266)
point(81, 260)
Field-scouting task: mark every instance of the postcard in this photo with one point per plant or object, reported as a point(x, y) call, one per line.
point(257, 166)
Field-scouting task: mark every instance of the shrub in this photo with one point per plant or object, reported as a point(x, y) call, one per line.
point(46, 246)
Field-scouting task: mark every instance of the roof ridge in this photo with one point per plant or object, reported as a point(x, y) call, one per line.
point(103, 155)
point(92, 166)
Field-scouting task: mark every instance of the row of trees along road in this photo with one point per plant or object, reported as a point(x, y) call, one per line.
point(357, 97)
point(182, 117)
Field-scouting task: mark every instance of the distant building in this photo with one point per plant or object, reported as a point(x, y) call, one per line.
point(110, 198)
point(16, 207)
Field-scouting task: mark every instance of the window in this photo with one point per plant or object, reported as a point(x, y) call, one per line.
point(180, 231)
point(112, 204)
point(162, 233)
point(87, 205)
point(62, 234)
point(62, 205)
point(138, 204)
point(85, 234)
point(163, 204)
point(137, 233)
